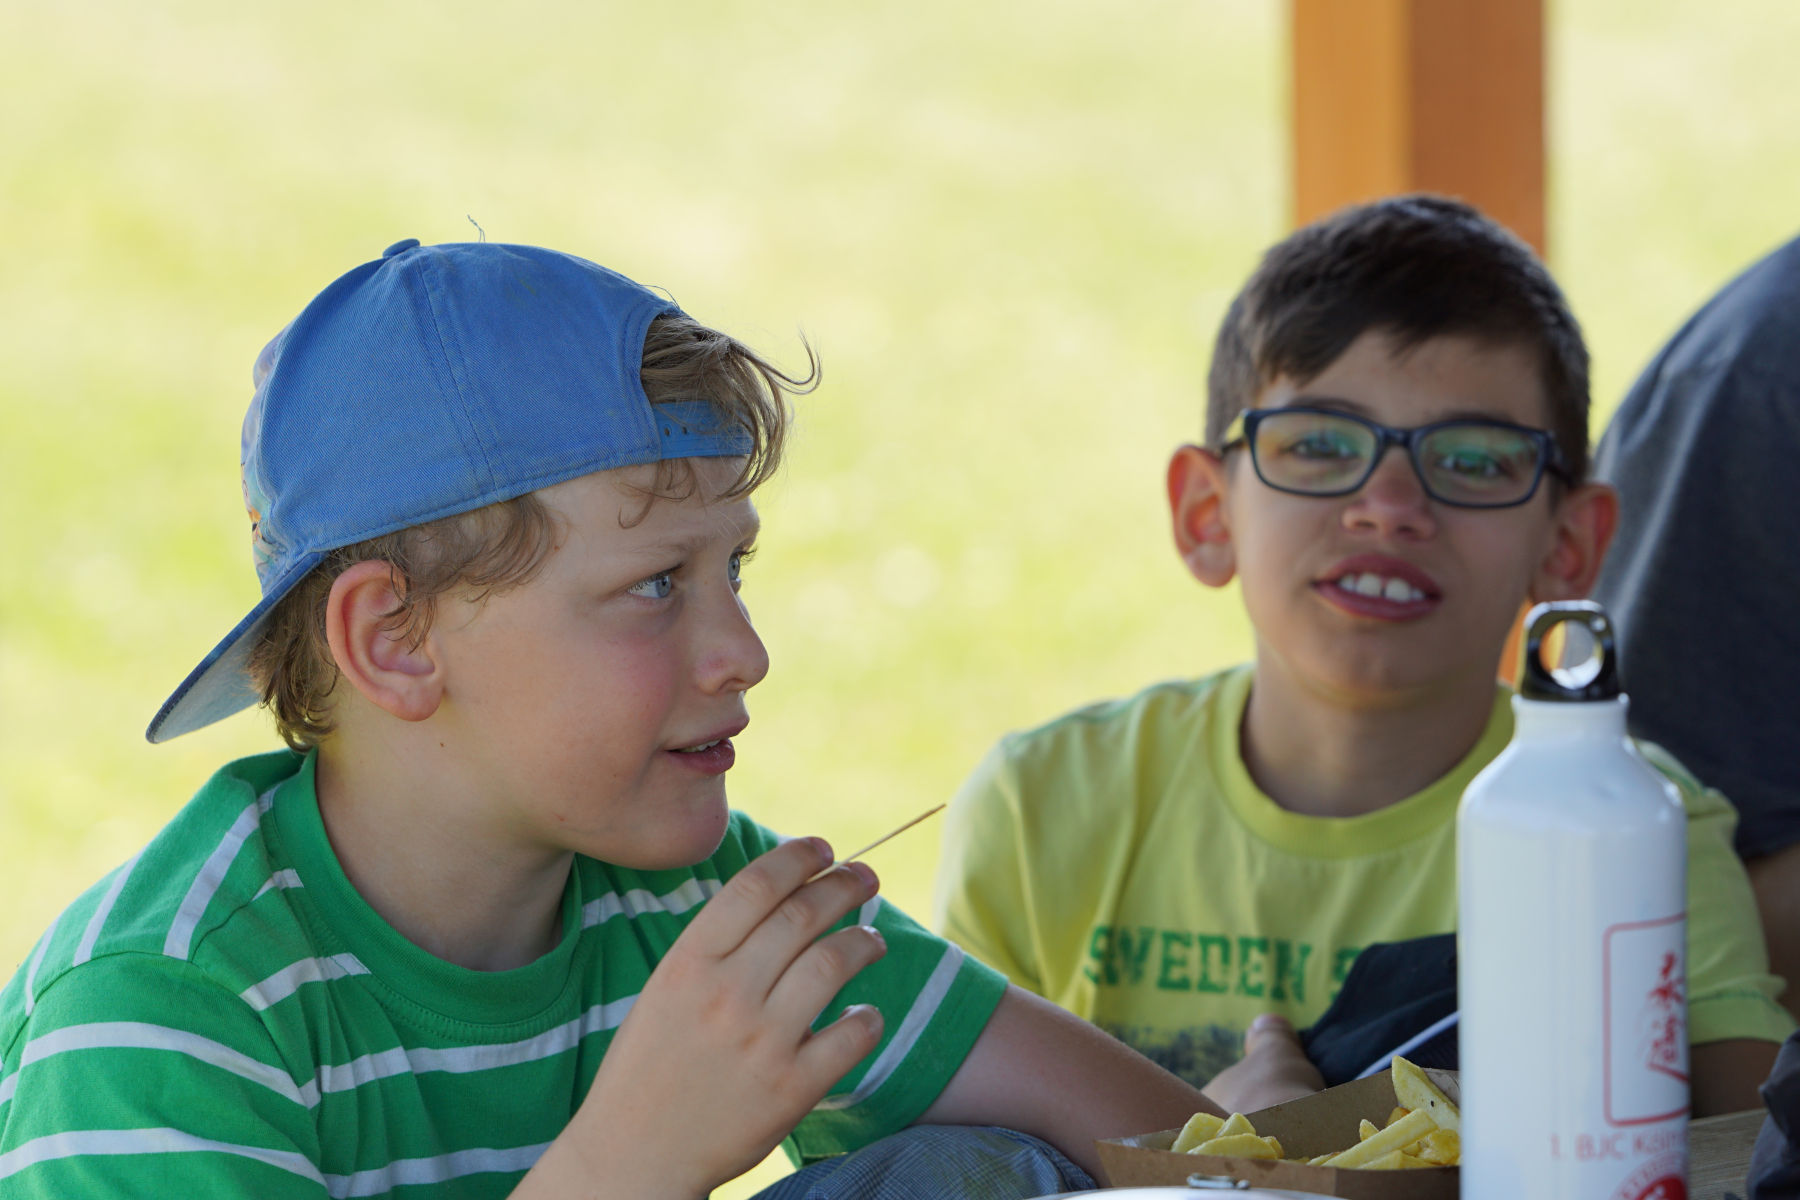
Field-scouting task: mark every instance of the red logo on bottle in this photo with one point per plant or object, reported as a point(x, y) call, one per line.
point(1645, 1029)
point(1665, 1021)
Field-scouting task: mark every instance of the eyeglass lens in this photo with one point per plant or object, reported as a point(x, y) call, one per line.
point(1462, 462)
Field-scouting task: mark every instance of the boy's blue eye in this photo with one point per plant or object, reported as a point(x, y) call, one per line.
point(1485, 456)
point(657, 587)
point(738, 559)
point(1473, 464)
point(1323, 444)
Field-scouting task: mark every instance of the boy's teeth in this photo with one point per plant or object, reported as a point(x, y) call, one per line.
point(1366, 584)
point(700, 747)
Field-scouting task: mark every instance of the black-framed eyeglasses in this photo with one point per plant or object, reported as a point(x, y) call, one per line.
point(1467, 462)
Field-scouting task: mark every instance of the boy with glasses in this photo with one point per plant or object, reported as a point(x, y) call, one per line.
point(1395, 459)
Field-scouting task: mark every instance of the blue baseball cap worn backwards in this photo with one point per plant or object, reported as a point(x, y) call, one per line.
point(430, 382)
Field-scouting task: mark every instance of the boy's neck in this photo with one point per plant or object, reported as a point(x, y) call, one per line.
point(421, 858)
point(1337, 756)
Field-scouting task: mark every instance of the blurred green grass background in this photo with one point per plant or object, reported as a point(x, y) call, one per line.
point(1008, 228)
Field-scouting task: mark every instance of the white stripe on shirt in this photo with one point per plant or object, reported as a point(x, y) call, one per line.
point(141, 1035)
point(286, 878)
point(78, 1142)
point(291, 978)
point(91, 934)
point(212, 874)
point(638, 901)
point(403, 1172)
point(924, 1007)
point(36, 961)
point(463, 1059)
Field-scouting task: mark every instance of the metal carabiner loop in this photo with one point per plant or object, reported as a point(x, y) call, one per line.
point(1217, 1183)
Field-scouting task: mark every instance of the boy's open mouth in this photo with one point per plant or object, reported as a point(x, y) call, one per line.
point(714, 756)
point(1390, 587)
point(1379, 586)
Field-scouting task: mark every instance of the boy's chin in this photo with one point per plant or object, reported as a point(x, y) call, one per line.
point(672, 847)
point(1383, 685)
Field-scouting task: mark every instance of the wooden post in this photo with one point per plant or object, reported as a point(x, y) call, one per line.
point(1422, 95)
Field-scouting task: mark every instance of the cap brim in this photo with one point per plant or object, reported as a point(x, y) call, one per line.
point(220, 685)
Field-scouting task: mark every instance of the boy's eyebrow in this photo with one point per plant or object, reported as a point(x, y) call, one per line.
point(683, 546)
point(1331, 402)
point(1339, 404)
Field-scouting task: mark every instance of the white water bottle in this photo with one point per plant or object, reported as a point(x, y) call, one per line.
point(1571, 946)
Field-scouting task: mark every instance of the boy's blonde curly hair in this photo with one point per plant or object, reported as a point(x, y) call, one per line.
point(503, 545)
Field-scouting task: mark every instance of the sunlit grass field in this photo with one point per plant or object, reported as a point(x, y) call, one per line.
point(1008, 229)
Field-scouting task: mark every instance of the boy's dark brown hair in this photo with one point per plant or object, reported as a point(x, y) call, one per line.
point(1415, 267)
point(502, 545)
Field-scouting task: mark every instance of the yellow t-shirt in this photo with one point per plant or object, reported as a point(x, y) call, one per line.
point(1121, 862)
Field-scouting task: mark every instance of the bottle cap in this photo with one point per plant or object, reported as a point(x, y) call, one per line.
point(1594, 678)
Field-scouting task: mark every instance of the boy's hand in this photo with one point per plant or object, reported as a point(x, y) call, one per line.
point(717, 1060)
point(1274, 1069)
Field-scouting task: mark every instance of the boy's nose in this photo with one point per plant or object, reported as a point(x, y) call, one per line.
point(734, 658)
point(1392, 501)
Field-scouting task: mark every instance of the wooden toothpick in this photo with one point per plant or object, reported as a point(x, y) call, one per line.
point(884, 837)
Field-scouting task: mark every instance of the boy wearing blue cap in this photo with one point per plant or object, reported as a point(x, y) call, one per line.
point(487, 927)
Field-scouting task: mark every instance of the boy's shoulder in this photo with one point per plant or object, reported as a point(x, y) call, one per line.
point(1161, 716)
point(1162, 740)
point(1697, 798)
point(210, 871)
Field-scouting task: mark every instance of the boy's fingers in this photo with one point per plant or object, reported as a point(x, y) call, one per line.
point(773, 947)
point(1269, 1028)
point(830, 1053)
point(748, 898)
point(819, 973)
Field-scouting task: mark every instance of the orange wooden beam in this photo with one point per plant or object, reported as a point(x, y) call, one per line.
point(1420, 95)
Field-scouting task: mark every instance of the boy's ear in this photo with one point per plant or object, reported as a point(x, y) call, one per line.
point(1197, 509)
point(1585, 521)
point(375, 659)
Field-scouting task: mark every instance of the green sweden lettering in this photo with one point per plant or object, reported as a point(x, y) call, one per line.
point(1182, 960)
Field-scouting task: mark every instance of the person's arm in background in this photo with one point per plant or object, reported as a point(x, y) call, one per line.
point(1724, 1076)
point(1775, 878)
point(1735, 1025)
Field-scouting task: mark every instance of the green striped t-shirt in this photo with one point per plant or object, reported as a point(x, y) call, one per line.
point(224, 1016)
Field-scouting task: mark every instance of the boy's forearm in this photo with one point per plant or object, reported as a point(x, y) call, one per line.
point(1043, 1071)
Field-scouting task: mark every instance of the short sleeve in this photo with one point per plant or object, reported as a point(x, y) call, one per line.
point(1731, 993)
point(135, 1075)
point(981, 897)
point(934, 1001)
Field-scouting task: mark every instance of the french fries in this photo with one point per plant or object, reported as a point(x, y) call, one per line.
point(1423, 1131)
point(1401, 1134)
point(1416, 1092)
point(1201, 1127)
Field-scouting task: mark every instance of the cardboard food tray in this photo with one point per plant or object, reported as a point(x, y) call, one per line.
point(1307, 1127)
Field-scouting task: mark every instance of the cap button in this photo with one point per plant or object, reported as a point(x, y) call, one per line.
point(400, 247)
